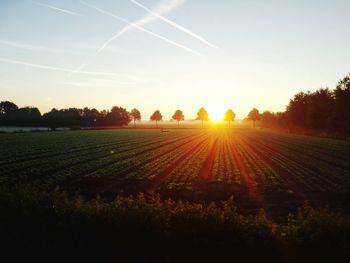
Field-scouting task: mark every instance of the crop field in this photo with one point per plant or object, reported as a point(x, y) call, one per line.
point(259, 168)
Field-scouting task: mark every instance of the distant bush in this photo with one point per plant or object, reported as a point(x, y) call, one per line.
point(151, 230)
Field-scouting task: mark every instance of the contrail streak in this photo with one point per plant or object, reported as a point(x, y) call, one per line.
point(56, 68)
point(121, 32)
point(161, 9)
point(58, 9)
point(32, 47)
point(177, 26)
point(135, 25)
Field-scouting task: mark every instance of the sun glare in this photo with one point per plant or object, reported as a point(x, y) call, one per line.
point(216, 112)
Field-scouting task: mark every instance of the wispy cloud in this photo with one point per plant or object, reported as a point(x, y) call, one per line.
point(99, 83)
point(26, 46)
point(138, 24)
point(175, 25)
point(33, 65)
point(57, 9)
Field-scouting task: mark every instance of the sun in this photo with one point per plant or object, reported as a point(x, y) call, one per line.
point(216, 112)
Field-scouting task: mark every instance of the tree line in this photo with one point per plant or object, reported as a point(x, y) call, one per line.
point(325, 109)
point(12, 115)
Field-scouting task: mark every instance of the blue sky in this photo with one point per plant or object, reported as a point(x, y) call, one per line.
point(237, 54)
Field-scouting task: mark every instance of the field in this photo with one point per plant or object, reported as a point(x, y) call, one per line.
point(259, 168)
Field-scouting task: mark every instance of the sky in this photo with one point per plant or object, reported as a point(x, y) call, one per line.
point(170, 54)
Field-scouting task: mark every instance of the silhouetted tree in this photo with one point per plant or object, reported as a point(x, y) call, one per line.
point(178, 116)
point(118, 116)
point(10, 114)
point(319, 109)
point(342, 105)
point(254, 116)
point(271, 119)
point(202, 115)
point(267, 119)
point(313, 110)
point(229, 116)
point(50, 119)
point(86, 117)
point(297, 109)
point(26, 116)
point(90, 117)
point(156, 116)
point(70, 117)
point(7, 107)
point(135, 115)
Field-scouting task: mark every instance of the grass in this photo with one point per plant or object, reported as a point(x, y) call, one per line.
point(207, 195)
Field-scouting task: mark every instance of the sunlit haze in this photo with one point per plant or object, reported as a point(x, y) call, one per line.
point(170, 54)
point(216, 111)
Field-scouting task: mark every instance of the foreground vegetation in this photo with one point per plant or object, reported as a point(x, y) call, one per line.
point(143, 229)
